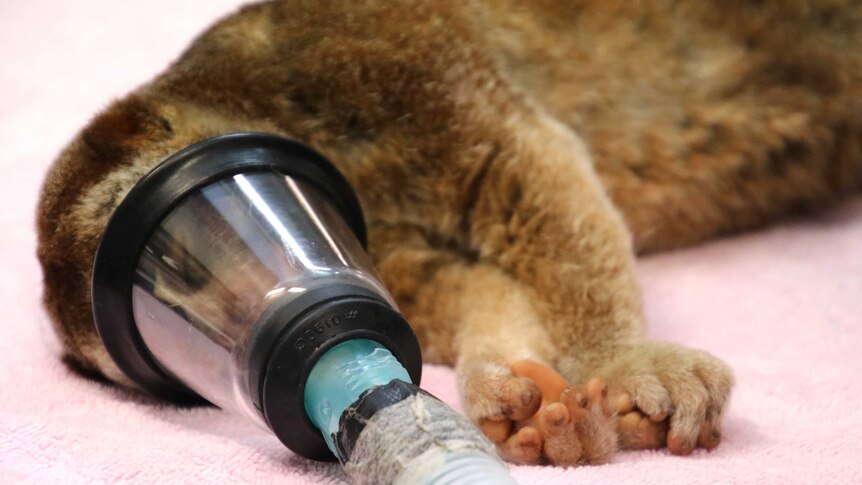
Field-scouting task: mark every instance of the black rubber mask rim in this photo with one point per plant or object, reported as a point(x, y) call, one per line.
point(281, 364)
point(153, 197)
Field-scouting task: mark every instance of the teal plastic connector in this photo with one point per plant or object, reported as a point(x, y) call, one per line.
point(341, 375)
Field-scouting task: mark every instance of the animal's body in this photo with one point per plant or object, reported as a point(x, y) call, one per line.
point(511, 159)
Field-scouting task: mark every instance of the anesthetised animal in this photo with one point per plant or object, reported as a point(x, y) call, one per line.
point(511, 159)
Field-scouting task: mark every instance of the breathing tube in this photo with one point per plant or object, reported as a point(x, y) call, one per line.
point(235, 273)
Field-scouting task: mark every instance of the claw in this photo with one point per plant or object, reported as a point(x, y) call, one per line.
point(709, 436)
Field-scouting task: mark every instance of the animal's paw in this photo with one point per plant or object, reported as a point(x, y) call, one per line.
point(543, 418)
point(668, 395)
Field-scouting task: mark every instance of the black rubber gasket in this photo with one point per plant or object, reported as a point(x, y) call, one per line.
point(304, 338)
point(152, 198)
point(278, 317)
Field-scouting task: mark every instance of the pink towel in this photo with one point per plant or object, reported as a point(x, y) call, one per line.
point(782, 306)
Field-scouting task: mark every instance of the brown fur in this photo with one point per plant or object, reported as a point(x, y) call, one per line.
point(510, 158)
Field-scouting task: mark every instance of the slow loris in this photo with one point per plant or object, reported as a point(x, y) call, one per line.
point(511, 158)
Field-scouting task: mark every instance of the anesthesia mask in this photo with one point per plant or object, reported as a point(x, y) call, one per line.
point(235, 272)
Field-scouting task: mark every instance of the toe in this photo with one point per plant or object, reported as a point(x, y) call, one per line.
point(622, 403)
point(576, 402)
point(638, 432)
point(520, 398)
point(680, 444)
point(496, 430)
point(593, 423)
point(561, 443)
point(690, 398)
point(554, 419)
point(717, 379)
point(646, 394)
point(549, 381)
point(658, 418)
point(525, 446)
point(710, 434)
point(597, 389)
point(563, 448)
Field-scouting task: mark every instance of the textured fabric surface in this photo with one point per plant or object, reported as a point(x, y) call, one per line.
point(407, 440)
point(782, 306)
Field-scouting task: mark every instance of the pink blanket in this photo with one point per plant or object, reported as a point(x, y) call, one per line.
point(782, 306)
